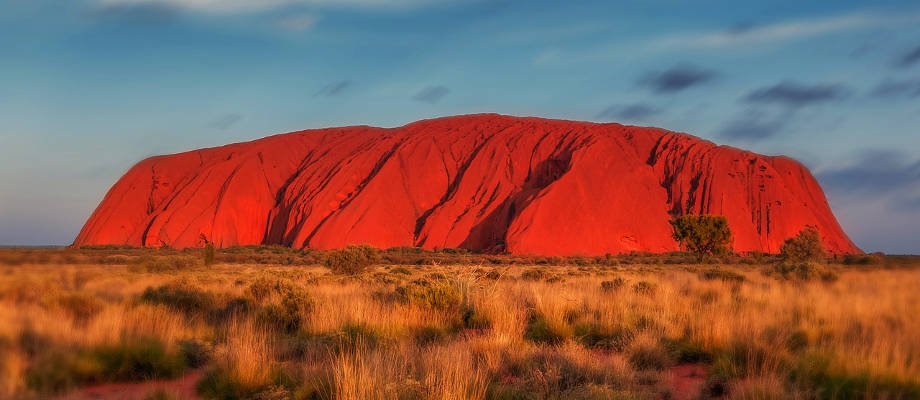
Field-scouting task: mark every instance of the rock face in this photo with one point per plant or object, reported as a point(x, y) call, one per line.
point(484, 182)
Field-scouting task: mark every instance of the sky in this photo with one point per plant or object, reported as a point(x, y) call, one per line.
point(90, 87)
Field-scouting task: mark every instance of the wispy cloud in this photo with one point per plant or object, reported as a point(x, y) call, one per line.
point(676, 79)
point(873, 173)
point(431, 94)
point(246, 6)
point(753, 125)
point(226, 121)
point(750, 34)
point(893, 88)
point(796, 95)
point(909, 58)
point(333, 89)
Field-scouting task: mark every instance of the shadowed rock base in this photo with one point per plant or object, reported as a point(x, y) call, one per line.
point(484, 182)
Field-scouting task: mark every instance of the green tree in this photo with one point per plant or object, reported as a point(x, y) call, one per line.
point(806, 246)
point(351, 260)
point(704, 235)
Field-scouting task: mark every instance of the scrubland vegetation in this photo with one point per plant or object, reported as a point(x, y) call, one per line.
point(274, 323)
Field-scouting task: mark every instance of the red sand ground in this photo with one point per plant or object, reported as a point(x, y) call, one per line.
point(182, 388)
point(484, 182)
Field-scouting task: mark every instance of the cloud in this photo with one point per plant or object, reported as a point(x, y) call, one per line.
point(897, 88)
point(875, 172)
point(226, 121)
point(297, 22)
point(249, 6)
point(754, 125)
point(909, 58)
point(431, 94)
point(676, 79)
point(333, 89)
point(797, 95)
point(751, 34)
point(629, 112)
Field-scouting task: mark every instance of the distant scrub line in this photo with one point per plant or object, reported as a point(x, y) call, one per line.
point(154, 259)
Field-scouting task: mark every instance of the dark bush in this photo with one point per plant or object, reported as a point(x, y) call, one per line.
point(180, 297)
point(430, 334)
point(721, 274)
point(139, 360)
point(351, 260)
point(806, 246)
point(612, 285)
point(644, 287)
point(194, 353)
point(57, 370)
point(534, 274)
point(606, 337)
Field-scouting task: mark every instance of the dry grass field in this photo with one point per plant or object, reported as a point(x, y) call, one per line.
point(164, 325)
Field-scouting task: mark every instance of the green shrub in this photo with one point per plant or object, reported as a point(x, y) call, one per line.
point(815, 371)
point(219, 384)
point(806, 246)
point(801, 272)
point(56, 370)
point(540, 330)
point(703, 235)
point(139, 360)
point(180, 297)
point(440, 295)
point(351, 260)
point(288, 315)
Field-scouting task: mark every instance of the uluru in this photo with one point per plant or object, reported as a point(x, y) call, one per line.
point(483, 182)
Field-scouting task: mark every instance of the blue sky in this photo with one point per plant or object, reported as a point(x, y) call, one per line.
point(89, 87)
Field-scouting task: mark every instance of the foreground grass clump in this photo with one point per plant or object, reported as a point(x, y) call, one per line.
point(56, 370)
point(576, 329)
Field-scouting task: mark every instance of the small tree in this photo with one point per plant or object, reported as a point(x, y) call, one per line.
point(704, 235)
point(806, 246)
point(351, 260)
point(210, 254)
